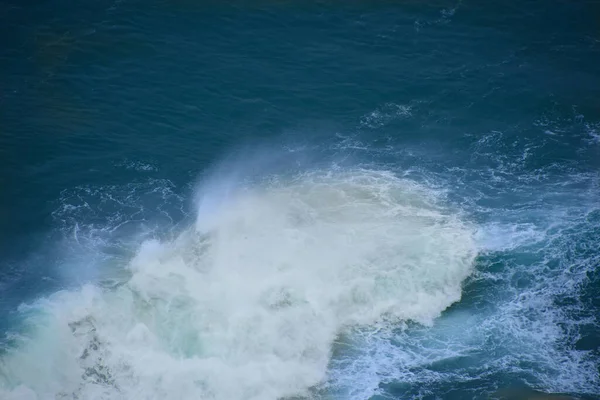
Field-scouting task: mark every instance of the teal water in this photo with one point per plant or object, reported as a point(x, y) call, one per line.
point(329, 200)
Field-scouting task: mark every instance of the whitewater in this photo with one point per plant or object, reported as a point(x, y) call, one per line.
point(248, 302)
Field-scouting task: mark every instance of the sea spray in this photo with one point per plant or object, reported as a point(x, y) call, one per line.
point(249, 305)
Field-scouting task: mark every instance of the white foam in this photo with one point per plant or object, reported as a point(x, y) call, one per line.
point(249, 305)
point(518, 329)
point(592, 131)
point(506, 236)
point(385, 114)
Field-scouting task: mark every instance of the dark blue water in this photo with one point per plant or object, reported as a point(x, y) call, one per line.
point(330, 200)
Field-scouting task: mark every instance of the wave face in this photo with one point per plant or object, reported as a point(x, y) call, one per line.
point(248, 302)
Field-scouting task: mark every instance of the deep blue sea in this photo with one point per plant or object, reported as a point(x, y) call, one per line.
point(287, 200)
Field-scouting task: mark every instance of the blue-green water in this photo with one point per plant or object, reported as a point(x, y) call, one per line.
point(269, 199)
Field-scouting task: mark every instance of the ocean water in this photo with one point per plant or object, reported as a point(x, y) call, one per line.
point(323, 200)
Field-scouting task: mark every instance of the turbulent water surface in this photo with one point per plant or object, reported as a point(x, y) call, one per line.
point(254, 200)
